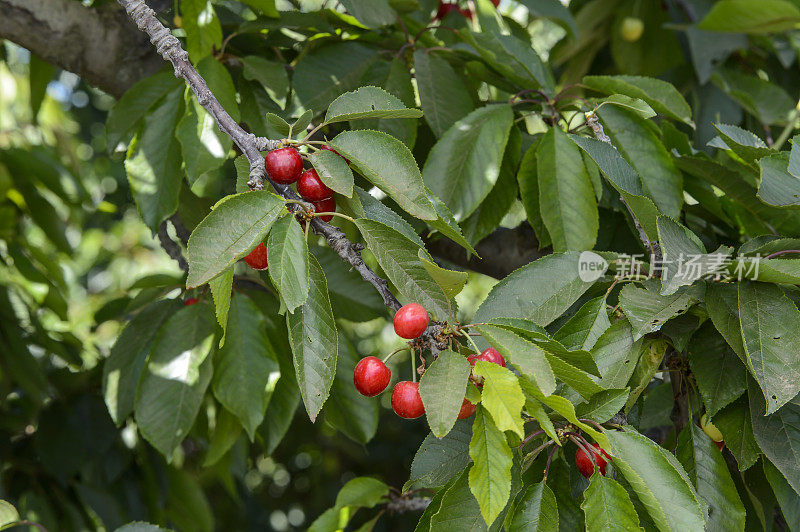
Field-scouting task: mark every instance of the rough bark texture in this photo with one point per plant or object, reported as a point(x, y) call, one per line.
point(99, 44)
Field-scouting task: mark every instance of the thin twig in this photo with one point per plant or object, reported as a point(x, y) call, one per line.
point(171, 247)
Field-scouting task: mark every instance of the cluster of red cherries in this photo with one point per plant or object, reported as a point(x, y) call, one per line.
point(372, 376)
point(285, 166)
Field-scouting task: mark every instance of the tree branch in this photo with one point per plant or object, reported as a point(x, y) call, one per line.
point(170, 49)
point(66, 33)
point(171, 247)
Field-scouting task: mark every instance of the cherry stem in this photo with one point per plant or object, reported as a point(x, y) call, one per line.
point(390, 355)
point(578, 440)
point(549, 461)
point(779, 253)
point(468, 337)
point(541, 448)
point(592, 422)
point(315, 214)
point(413, 365)
point(529, 437)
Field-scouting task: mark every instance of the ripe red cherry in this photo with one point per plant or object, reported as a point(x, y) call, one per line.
point(191, 301)
point(444, 10)
point(257, 259)
point(371, 376)
point(467, 409)
point(489, 355)
point(406, 401)
point(326, 147)
point(584, 463)
point(311, 187)
point(411, 321)
point(284, 165)
point(326, 205)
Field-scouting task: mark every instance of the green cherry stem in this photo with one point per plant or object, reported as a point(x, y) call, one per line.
point(413, 365)
point(316, 214)
point(393, 353)
point(468, 337)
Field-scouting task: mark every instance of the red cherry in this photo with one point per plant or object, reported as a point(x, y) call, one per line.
point(326, 205)
point(496, 2)
point(444, 10)
point(311, 187)
point(466, 13)
point(257, 259)
point(411, 321)
point(371, 376)
point(489, 355)
point(584, 463)
point(191, 301)
point(326, 147)
point(467, 409)
point(406, 401)
point(284, 165)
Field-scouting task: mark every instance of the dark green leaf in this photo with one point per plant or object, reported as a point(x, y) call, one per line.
point(368, 102)
point(442, 389)
point(735, 424)
point(440, 459)
point(536, 510)
point(221, 290)
point(787, 498)
point(203, 30)
point(464, 165)
point(271, 75)
point(603, 405)
point(245, 366)
point(719, 373)
point(660, 95)
point(648, 310)
point(742, 16)
point(288, 261)
point(175, 379)
point(333, 170)
point(236, 225)
point(583, 329)
point(777, 186)
point(444, 95)
point(371, 13)
point(451, 282)
point(608, 506)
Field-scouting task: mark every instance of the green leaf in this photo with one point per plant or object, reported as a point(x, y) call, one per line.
point(245, 366)
point(464, 164)
point(742, 16)
point(583, 329)
point(236, 225)
point(778, 435)
point(442, 389)
point(685, 258)
point(362, 492)
point(313, 338)
point(300, 125)
point(722, 305)
point(175, 379)
point(280, 125)
point(459, 510)
point(603, 405)
point(368, 102)
point(642, 148)
point(364, 205)
point(616, 354)
point(203, 29)
point(125, 363)
point(743, 143)
point(558, 287)
point(328, 71)
point(502, 397)
point(737, 428)
point(647, 310)
point(663, 97)
point(658, 480)
point(139, 527)
point(388, 164)
point(706, 467)
point(347, 410)
point(526, 357)
point(397, 83)
point(535, 409)
point(267, 7)
point(221, 289)
point(554, 10)
point(624, 179)
point(333, 170)
point(227, 430)
point(371, 13)
point(565, 408)
point(566, 197)
point(136, 103)
point(720, 375)
point(440, 459)
point(635, 106)
point(575, 378)
point(787, 498)
point(652, 353)
point(153, 162)
point(777, 186)
point(451, 282)
point(398, 258)
point(8, 514)
point(288, 261)
point(271, 75)
point(770, 325)
point(204, 147)
point(767, 101)
point(608, 506)
point(512, 57)
point(443, 93)
point(535, 511)
point(528, 183)
point(490, 474)
point(447, 224)
point(349, 299)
